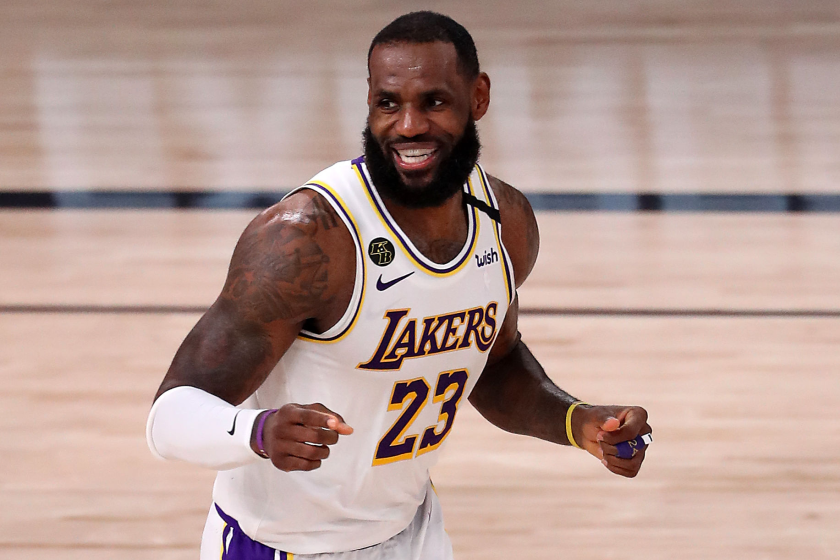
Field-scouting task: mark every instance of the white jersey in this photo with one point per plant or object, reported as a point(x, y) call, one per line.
point(405, 355)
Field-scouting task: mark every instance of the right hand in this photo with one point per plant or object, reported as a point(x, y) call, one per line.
point(296, 436)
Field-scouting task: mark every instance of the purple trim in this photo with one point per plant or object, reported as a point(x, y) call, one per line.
point(326, 192)
point(260, 426)
point(485, 184)
point(358, 160)
point(419, 259)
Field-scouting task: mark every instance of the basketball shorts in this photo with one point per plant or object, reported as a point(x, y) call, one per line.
point(423, 539)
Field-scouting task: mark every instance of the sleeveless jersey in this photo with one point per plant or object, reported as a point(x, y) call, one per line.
point(407, 352)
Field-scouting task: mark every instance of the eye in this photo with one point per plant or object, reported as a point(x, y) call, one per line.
point(386, 104)
point(435, 102)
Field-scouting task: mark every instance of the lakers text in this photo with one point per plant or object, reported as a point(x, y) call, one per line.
point(432, 335)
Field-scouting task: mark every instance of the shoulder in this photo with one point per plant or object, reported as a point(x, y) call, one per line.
point(520, 233)
point(305, 213)
point(292, 259)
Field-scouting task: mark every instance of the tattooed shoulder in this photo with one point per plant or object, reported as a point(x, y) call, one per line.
point(280, 269)
point(520, 233)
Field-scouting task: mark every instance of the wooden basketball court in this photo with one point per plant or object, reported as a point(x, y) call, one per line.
point(725, 326)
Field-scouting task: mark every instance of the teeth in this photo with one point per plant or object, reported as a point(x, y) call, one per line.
point(415, 155)
point(416, 152)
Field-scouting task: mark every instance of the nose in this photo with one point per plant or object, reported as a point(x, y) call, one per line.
point(412, 122)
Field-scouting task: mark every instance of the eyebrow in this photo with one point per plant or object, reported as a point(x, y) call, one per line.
point(437, 91)
point(427, 93)
point(384, 93)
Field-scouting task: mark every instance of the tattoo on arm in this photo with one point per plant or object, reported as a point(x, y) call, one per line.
point(223, 356)
point(279, 271)
point(324, 213)
point(278, 278)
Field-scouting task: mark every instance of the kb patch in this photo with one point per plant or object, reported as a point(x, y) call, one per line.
point(381, 251)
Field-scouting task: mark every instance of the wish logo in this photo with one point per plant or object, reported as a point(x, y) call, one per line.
point(489, 257)
point(381, 251)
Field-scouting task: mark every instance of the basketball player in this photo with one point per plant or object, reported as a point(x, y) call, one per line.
point(357, 316)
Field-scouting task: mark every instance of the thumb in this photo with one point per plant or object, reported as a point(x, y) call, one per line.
point(611, 424)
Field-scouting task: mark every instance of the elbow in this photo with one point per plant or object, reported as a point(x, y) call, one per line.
point(498, 408)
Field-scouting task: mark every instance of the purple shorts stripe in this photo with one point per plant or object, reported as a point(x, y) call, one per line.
point(236, 545)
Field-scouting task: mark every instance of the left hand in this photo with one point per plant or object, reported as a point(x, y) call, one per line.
point(598, 428)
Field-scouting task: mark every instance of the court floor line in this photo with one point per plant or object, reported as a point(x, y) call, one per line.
point(551, 202)
point(537, 311)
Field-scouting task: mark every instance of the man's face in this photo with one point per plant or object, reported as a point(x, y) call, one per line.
point(421, 118)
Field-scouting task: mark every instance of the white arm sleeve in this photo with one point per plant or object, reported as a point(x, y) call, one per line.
point(192, 425)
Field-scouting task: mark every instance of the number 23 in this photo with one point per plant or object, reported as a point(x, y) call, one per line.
point(395, 445)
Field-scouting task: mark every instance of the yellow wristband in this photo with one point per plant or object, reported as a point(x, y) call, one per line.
point(569, 423)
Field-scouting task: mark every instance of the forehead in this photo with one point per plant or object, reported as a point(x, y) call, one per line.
point(402, 64)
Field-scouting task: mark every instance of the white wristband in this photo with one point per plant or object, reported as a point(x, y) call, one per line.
point(192, 425)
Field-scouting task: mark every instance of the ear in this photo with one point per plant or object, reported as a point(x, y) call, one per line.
point(368, 95)
point(481, 96)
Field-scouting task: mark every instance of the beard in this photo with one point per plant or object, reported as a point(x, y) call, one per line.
point(449, 178)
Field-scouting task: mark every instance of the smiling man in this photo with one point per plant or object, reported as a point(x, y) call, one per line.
point(357, 315)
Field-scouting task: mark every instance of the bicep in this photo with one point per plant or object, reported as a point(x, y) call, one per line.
point(280, 275)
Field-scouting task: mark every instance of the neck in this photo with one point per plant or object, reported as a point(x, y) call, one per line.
point(439, 232)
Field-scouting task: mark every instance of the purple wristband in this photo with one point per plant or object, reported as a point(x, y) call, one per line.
point(260, 426)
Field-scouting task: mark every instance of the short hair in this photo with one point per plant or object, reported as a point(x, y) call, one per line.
point(430, 27)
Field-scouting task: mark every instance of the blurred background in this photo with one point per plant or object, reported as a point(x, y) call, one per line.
point(684, 162)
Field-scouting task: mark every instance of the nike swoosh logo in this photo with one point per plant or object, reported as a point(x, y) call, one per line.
point(232, 428)
point(382, 286)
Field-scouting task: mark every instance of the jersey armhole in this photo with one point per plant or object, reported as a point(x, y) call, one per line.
point(344, 325)
point(506, 262)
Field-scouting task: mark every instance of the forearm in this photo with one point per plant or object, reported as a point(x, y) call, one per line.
point(516, 395)
point(192, 425)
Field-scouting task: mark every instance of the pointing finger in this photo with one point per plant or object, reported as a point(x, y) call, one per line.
point(339, 426)
point(334, 421)
point(314, 419)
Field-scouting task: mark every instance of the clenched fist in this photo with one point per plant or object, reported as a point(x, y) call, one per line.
point(598, 429)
